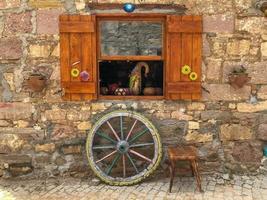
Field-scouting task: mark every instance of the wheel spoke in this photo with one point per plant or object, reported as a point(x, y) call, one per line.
point(141, 145)
point(122, 136)
point(113, 131)
point(104, 147)
point(103, 135)
point(132, 162)
point(138, 135)
point(113, 152)
point(114, 162)
point(140, 155)
point(131, 130)
point(124, 166)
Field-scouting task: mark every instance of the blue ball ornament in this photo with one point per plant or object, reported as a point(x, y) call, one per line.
point(128, 7)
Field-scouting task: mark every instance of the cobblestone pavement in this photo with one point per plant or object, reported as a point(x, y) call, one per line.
point(238, 188)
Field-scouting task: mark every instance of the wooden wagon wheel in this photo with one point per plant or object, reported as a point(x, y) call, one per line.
point(123, 148)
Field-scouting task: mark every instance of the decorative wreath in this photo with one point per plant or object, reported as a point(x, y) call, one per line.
point(193, 76)
point(186, 70)
point(75, 72)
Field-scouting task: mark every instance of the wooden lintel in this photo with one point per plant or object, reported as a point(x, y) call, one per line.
point(108, 6)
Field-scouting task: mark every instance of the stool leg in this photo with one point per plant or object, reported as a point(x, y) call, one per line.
point(172, 173)
point(196, 172)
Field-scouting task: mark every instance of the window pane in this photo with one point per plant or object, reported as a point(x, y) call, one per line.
point(131, 38)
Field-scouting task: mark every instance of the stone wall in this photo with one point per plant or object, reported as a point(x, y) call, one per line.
point(41, 135)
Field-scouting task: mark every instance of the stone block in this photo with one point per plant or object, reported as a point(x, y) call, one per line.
point(220, 92)
point(251, 108)
point(232, 132)
point(257, 72)
point(47, 148)
point(264, 50)
point(206, 46)
point(238, 47)
point(5, 4)
point(47, 21)
point(11, 48)
point(80, 5)
point(56, 51)
point(9, 77)
point(214, 69)
point(98, 107)
point(83, 126)
point(247, 152)
point(254, 25)
point(16, 111)
point(76, 115)
point(18, 23)
point(195, 137)
point(216, 115)
point(262, 93)
point(15, 138)
point(4, 123)
point(74, 149)
point(218, 23)
point(196, 106)
point(39, 51)
point(62, 131)
point(10, 143)
point(193, 125)
point(45, 3)
point(262, 132)
point(55, 115)
point(21, 124)
point(15, 160)
point(180, 116)
point(18, 171)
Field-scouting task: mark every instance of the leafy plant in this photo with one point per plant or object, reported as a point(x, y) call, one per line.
point(239, 70)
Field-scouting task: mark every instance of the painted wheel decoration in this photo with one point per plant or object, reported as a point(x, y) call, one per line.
point(123, 148)
point(186, 70)
point(84, 76)
point(193, 76)
point(75, 72)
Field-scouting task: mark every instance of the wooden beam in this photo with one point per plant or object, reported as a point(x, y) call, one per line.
point(108, 6)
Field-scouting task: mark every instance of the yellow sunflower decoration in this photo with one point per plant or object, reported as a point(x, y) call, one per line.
point(75, 72)
point(186, 70)
point(193, 76)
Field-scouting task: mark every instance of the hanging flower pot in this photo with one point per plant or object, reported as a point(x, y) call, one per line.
point(238, 78)
point(36, 83)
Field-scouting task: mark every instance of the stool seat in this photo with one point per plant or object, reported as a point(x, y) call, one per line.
point(186, 153)
point(182, 153)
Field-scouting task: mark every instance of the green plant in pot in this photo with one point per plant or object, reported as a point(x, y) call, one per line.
point(238, 77)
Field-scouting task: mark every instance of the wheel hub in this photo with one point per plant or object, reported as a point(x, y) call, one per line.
point(123, 146)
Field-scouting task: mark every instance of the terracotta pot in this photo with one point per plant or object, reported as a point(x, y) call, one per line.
point(36, 83)
point(149, 91)
point(238, 80)
point(159, 91)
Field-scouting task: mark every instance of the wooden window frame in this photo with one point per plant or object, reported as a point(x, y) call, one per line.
point(131, 17)
point(182, 46)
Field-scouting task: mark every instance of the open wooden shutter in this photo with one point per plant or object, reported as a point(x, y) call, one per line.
point(78, 50)
point(184, 46)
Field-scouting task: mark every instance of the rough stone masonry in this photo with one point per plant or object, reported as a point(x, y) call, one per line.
point(41, 135)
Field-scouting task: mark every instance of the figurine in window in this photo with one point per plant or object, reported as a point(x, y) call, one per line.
point(136, 78)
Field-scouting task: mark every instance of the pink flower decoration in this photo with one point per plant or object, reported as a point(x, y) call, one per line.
point(84, 76)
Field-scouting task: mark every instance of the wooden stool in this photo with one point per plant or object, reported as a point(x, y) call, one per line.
point(187, 153)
